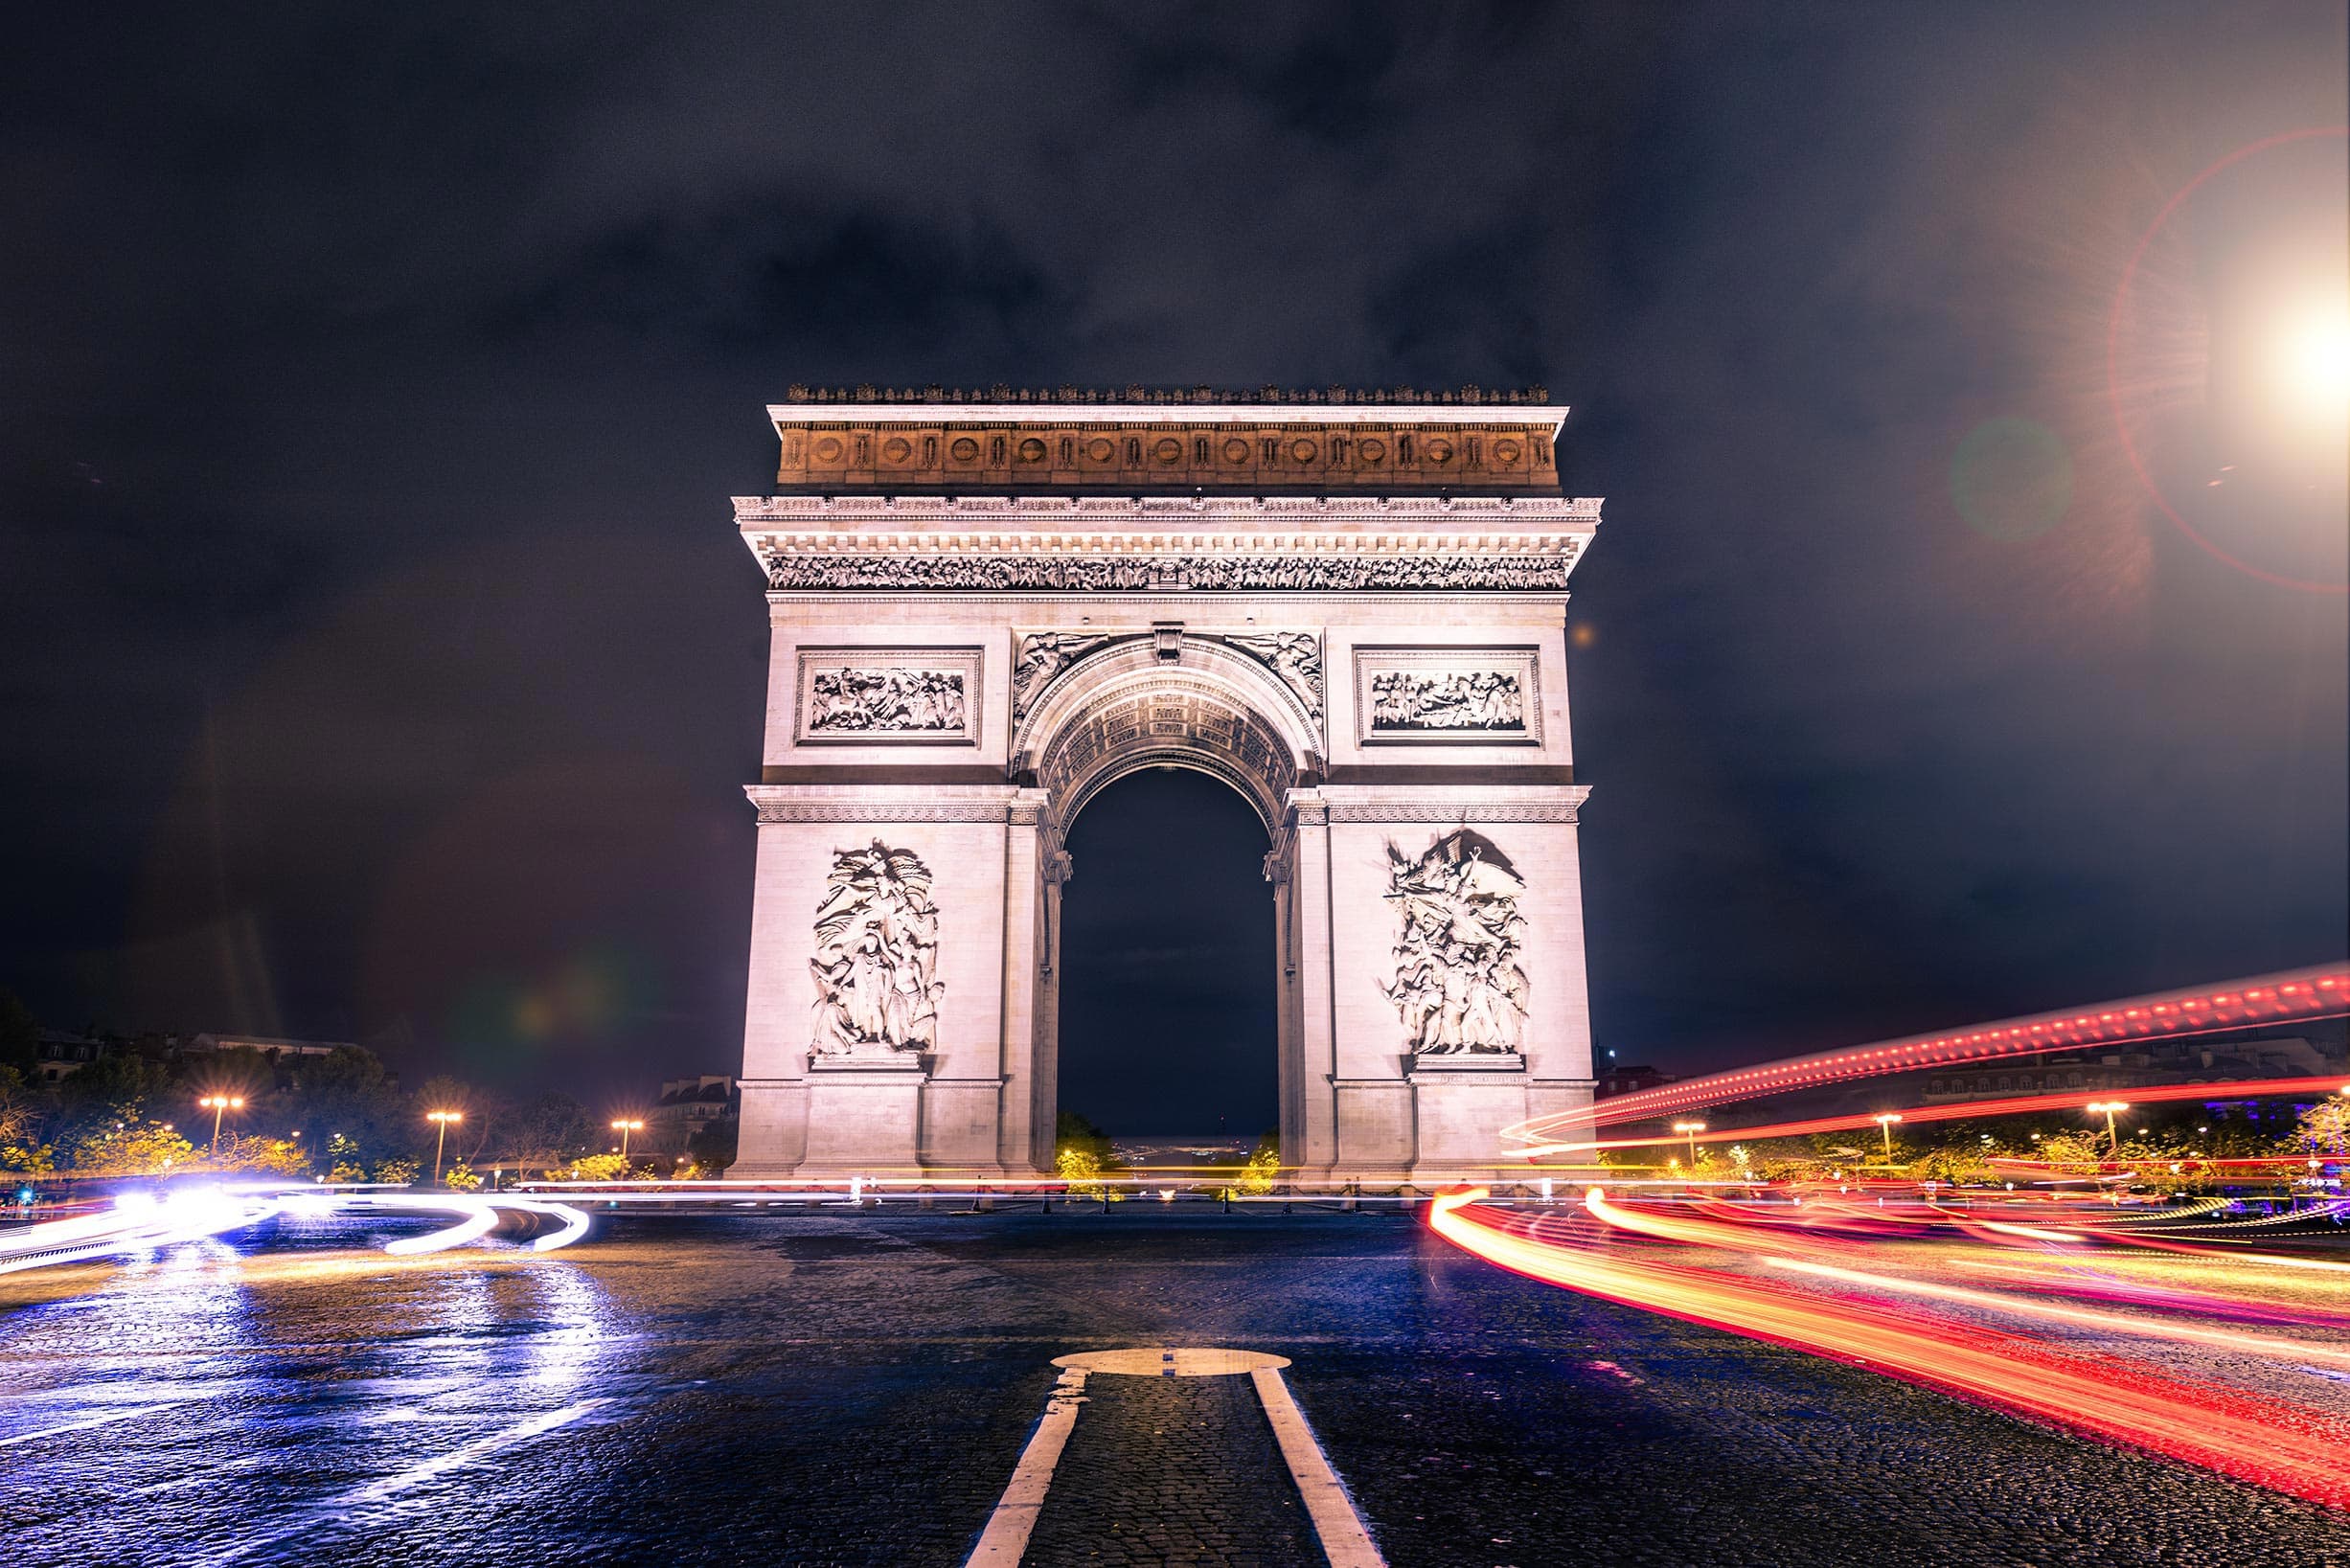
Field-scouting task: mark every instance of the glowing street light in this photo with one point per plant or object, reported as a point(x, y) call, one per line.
point(216, 1104)
point(623, 1127)
point(2114, 1139)
point(440, 1143)
point(1885, 1121)
point(1692, 1128)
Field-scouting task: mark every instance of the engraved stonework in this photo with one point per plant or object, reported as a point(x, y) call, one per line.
point(1484, 700)
point(876, 956)
point(887, 702)
point(1458, 987)
point(1296, 657)
point(888, 696)
point(1196, 574)
point(1448, 696)
point(1045, 654)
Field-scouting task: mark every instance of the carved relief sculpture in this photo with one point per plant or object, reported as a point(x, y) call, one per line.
point(1045, 654)
point(886, 702)
point(1410, 700)
point(1214, 574)
point(1296, 657)
point(876, 956)
point(1458, 986)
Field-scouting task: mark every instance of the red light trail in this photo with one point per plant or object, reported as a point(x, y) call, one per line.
point(2293, 997)
point(2273, 1443)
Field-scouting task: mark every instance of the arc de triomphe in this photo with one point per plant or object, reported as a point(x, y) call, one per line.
point(1348, 607)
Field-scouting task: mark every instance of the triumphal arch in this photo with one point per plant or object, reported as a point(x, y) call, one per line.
point(986, 608)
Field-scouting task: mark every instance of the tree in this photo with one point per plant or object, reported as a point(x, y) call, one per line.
point(2322, 1128)
point(548, 1131)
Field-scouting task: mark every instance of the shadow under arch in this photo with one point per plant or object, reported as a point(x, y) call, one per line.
point(1169, 1009)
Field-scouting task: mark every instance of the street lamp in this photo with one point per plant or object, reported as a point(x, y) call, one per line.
point(440, 1143)
point(218, 1103)
point(1885, 1121)
point(1692, 1128)
point(2114, 1139)
point(623, 1127)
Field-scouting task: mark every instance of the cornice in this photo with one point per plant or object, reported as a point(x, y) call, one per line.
point(1048, 515)
point(1550, 415)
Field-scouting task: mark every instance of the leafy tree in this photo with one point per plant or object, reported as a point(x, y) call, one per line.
point(132, 1148)
point(21, 1105)
point(462, 1177)
point(548, 1131)
point(713, 1146)
point(2323, 1129)
point(396, 1173)
point(345, 1094)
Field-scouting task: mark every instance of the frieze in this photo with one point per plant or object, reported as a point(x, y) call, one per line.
point(888, 696)
point(1448, 696)
point(1457, 811)
point(1182, 574)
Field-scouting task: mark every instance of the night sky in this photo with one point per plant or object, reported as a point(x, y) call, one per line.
point(378, 662)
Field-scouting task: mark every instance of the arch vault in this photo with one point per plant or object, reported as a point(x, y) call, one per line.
point(984, 613)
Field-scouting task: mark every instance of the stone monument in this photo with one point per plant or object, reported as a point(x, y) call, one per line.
point(988, 606)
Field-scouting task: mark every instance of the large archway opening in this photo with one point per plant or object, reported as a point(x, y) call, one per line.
point(1168, 977)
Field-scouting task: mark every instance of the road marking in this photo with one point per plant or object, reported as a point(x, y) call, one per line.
point(1345, 1541)
point(94, 1421)
point(1344, 1538)
point(1005, 1540)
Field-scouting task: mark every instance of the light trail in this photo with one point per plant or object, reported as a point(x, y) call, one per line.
point(2293, 997)
point(2288, 1447)
point(1966, 1110)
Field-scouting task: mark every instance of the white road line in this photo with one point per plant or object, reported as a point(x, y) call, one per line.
point(94, 1421)
point(1005, 1539)
point(1344, 1540)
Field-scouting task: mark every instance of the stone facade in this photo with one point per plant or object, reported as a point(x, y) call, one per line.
point(1379, 671)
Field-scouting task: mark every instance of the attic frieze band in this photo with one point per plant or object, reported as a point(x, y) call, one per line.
point(1172, 573)
point(823, 511)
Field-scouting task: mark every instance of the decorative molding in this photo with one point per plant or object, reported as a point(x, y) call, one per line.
point(1458, 987)
point(877, 957)
point(882, 810)
point(1170, 574)
point(888, 696)
point(1466, 812)
point(1400, 453)
point(1448, 696)
point(1135, 401)
point(1296, 657)
point(820, 515)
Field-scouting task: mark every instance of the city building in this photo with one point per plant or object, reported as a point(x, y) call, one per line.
point(686, 1106)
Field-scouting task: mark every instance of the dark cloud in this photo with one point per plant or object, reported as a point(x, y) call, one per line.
point(376, 378)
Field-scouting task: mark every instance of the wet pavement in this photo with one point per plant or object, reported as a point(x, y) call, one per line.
point(852, 1389)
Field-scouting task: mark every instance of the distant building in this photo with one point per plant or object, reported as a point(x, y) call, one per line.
point(1615, 1081)
point(2161, 1063)
point(280, 1053)
point(58, 1053)
point(686, 1106)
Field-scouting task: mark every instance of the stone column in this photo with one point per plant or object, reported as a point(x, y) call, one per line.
point(1316, 1055)
point(773, 1134)
point(1027, 1064)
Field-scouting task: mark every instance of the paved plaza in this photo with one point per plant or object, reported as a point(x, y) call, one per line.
point(856, 1389)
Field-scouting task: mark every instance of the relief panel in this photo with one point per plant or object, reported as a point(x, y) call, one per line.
point(887, 696)
point(1477, 696)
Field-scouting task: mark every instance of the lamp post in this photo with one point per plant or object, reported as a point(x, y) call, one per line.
point(1692, 1129)
point(441, 1144)
point(216, 1104)
point(2114, 1139)
point(623, 1127)
point(1885, 1121)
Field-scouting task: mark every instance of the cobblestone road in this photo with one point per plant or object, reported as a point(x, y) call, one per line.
point(850, 1390)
